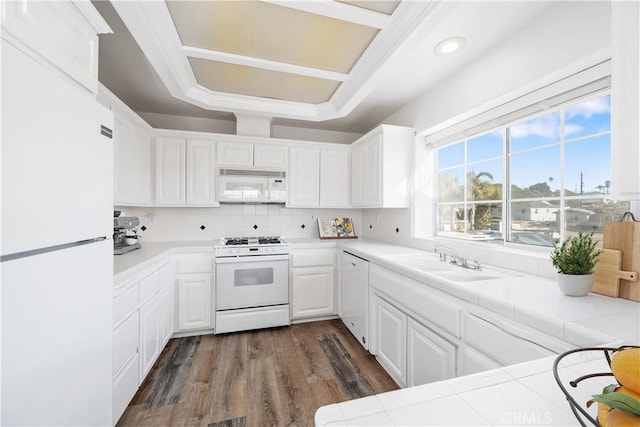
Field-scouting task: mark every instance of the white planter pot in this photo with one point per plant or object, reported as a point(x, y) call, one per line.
point(575, 285)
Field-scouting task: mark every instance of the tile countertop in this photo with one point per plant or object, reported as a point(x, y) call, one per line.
point(522, 394)
point(129, 264)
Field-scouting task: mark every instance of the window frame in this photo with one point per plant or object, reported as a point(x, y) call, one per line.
point(507, 200)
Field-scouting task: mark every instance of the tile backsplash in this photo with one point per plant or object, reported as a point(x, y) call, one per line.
point(187, 223)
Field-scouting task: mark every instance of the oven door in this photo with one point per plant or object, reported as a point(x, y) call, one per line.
point(252, 281)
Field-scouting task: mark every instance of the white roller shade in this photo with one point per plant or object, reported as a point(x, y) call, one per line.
point(585, 83)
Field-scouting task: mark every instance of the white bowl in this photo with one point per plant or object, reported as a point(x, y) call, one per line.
point(131, 240)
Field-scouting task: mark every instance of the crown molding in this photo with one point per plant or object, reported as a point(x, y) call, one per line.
point(152, 27)
point(342, 11)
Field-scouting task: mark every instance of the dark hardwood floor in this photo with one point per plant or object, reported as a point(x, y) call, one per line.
point(271, 377)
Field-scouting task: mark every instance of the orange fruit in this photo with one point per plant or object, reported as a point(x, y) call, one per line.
point(619, 418)
point(603, 414)
point(625, 366)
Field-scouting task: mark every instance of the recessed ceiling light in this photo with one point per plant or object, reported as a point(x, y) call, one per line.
point(449, 45)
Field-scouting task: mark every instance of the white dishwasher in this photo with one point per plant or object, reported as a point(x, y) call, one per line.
point(354, 272)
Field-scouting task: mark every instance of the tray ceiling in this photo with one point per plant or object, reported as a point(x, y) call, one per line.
point(308, 60)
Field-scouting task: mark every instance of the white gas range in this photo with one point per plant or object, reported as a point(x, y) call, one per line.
point(252, 283)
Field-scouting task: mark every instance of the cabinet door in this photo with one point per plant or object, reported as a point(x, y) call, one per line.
point(372, 172)
point(312, 292)
point(233, 153)
point(141, 180)
point(201, 176)
point(357, 176)
point(625, 99)
point(429, 357)
point(170, 171)
point(391, 340)
point(149, 335)
point(271, 156)
point(335, 178)
point(167, 304)
point(304, 177)
point(58, 32)
point(132, 164)
point(123, 162)
point(194, 302)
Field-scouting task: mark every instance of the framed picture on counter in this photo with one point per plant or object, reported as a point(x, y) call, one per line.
point(336, 228)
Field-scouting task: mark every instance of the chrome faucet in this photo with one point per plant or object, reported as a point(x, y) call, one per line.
point(445, 252)
point(449, 254)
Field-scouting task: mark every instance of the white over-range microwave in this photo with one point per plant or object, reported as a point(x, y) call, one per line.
point(251, 186)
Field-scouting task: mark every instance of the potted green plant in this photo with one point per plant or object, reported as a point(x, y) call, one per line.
point(574, 259)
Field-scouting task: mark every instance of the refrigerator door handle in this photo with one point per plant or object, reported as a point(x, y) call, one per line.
point(40, 251)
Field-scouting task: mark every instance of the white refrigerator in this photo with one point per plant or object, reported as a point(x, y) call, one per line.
point(57, 248)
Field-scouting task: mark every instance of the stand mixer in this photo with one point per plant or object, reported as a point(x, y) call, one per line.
point(125, 237)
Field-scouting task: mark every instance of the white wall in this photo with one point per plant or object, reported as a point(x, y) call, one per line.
point(557, 43)
point(568, 35)
point(174, 224)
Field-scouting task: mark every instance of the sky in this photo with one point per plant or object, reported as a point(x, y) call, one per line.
point(536, 151)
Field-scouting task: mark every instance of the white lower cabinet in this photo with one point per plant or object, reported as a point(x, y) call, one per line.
point(410, 352)
point(125, 386)
point(429, 357)
point(194, 302)
point(194, 293)
point(167, 304)
point(143, 323)
point(149, 334)
point(391, 340)
point(312, 282)
point(312, 292)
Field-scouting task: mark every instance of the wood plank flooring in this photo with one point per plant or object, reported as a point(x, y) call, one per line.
point(271, 377)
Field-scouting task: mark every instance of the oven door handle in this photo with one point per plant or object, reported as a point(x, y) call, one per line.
point(251, 258)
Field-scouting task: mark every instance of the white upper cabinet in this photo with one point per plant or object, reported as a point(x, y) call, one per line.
point(185, 172)
point(271, 156)
point(170, 171)
point(132, 163)
point(244, 154)
point(319, 177)
point(69, 42)
point(304, 177)
point(625, 99)
point(335, 178)
point(381, 164)
point(201, 177)
point(232, 153)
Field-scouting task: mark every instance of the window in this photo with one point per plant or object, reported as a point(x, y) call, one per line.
point(532, 181)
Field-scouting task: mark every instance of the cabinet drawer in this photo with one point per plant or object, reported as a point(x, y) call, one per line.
point(124, 388)
point(125, 303)
point(125, 342)
point(167, 272)
point(502, 342)
point(312, 257)
point(149, 285)
point(195, 263)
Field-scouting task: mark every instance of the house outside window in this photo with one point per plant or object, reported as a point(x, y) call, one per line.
point(539, 179)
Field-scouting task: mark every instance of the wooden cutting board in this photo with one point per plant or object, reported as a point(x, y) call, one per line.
point(625, 236)
point(607, 273)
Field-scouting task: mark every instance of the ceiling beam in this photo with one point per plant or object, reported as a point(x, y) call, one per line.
point(336, 10)
point(266, 64)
